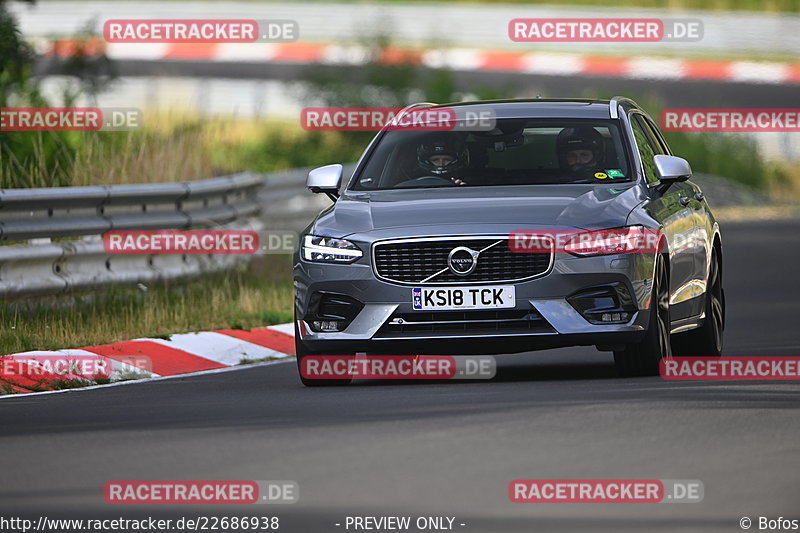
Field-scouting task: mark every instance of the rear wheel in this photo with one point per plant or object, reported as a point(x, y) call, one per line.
point(302, 351)
point(706, 341)
point(642, 359)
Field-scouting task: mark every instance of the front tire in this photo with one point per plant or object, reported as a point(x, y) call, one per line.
point(302, 351)
point(706, 341)
point(642, 359)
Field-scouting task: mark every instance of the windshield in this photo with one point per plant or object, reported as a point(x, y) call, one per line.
point(515, 152)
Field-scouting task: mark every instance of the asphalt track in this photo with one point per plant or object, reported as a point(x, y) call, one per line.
point(445, 449)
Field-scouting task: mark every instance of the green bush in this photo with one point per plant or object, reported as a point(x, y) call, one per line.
point(734, 156)
point(40, 159)
point(280, 146)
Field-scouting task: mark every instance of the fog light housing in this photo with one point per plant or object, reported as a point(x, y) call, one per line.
point(604, 304)
point(330, 312)
point(326, 325)
point(614, 317)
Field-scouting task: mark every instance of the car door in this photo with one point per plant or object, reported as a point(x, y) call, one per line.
point(671, 209)
point(699, 240)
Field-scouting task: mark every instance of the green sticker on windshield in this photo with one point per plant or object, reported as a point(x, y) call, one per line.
point(615, 173)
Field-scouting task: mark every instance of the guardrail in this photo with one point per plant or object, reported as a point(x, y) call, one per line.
point(291, 205)
point(41, 266)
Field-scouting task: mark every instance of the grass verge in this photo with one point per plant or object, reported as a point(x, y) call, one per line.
point(752, 213)
point(258, 296)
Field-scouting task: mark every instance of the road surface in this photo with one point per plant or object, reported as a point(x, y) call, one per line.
point(445, 449)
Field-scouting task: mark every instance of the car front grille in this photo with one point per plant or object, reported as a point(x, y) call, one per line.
point(479, 322)
point(415, 260)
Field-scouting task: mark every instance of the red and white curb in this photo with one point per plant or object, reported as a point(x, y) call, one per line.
point(541, 63)
point(183, 353)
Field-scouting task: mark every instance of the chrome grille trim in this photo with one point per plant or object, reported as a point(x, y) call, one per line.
point(438, 269)
point(511, 321)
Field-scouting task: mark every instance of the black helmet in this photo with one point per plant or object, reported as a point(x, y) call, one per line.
point(429, 149)
point(580, 138)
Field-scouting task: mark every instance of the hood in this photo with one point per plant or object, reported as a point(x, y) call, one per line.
point(580, 206)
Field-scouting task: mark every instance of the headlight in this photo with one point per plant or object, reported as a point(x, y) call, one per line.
point(614, 241)
point(329, 250)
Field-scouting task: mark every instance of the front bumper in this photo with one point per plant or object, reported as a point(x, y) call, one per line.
point(546, 296)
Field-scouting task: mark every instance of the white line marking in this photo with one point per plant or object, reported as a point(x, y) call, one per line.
point(656, 69)
point(146, 51)
point(284, 328)
point(556, 64)
point(218, 347)
point(759, 72)
point(245, 52)
point(161, 378)
point(223, 349)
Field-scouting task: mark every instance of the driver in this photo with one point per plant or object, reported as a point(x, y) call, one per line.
point(580, 151)
point(443, 159)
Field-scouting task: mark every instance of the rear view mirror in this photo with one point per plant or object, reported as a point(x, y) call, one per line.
point(672, 169)
point(325, 179)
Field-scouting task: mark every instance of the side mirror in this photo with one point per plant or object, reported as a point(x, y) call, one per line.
point(325, 179)
point(671, 169)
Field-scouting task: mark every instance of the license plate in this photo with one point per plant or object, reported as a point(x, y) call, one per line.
point(487, 297)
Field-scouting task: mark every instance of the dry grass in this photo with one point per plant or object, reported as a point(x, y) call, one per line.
point(750, 213)
point(168, 148)
point(239, 300)
point(143, 158)
point(785, 183)
point(171, 147)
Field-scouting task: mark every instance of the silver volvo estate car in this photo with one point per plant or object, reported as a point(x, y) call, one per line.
point(496, 240)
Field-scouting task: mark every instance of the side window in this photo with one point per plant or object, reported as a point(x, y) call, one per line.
point(647, 148)
point(656, 133)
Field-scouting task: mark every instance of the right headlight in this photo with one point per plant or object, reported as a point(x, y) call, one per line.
point(329, 250)
point(625, 240)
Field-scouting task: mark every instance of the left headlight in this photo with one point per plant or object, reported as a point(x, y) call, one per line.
point(329, 250)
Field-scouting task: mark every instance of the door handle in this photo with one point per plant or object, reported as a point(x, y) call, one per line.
point(699, 196)
point(684, 201)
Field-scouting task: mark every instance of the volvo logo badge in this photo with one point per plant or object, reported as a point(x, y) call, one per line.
point(462, 261)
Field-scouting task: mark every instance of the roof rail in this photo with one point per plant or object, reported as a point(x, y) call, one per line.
point(408, 108)
point(418, 104)
point(613, 107)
